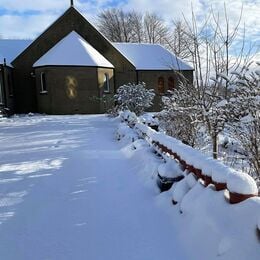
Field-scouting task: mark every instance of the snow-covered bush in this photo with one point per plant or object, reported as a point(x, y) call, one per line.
point(149, 119)
point(134, 97)
point(179, 116)
point(245, 111)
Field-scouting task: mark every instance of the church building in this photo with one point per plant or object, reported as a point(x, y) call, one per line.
point(71, 66)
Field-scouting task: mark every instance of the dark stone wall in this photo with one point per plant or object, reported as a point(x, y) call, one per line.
point(25, 92)
point(150, 78)
point(6, 82)
point(70, 90)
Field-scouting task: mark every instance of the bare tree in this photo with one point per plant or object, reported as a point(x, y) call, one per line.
point(245, 110)
point(155, 29)
point(120, 26)
point(209, 45)
point(116, 25)
point(179, 41)
point(136, 21)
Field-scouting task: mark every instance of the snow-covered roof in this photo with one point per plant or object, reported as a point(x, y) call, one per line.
point(75, 51)
point(10, 49)
point(79, 52)
point(151, 57)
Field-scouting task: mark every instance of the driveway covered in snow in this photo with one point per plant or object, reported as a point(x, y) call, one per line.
point(67, 191)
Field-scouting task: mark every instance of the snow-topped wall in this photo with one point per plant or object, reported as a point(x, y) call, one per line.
point(241, 186)
point(215, 210)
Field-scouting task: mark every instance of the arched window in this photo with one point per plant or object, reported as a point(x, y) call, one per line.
point(43, 83)
point(161, 85)
point(106, 83)
point(171, 83)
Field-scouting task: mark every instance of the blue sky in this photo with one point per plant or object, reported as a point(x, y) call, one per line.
point(28, 18)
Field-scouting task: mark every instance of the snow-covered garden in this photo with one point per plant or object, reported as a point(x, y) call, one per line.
point(209, 218)
point(86, 187)
point(69, 190)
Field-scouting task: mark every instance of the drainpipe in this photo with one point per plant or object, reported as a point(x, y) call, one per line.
point(137, 77)
point(114, 79)
point(4, 84)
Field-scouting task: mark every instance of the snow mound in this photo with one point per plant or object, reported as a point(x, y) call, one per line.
point(220, 173)
point(125, 132)
point(241, 183)
point(191, 180)
point(170, 169)
point(180, 189)
point(139, 144)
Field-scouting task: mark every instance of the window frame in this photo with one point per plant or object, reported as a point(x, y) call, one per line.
point(106, 86)
point(161, 85)
point(43, 83)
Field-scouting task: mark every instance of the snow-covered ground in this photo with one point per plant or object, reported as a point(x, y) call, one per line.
point(205, 223)
point(68, 190)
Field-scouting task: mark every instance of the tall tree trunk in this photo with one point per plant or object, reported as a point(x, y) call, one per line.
point(215, 146)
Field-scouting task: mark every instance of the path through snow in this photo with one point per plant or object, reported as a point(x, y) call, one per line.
point(67, 191)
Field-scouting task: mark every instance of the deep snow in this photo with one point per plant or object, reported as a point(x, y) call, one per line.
point(67, 191)
point(206, 224)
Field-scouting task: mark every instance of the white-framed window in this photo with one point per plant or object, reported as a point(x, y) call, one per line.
point(43, 83)
point(106, 83)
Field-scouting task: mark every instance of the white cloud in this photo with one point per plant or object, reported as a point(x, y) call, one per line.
point(15, 24)
point(250, 15)
point(19, 27)
point(32, 5)
point(168, 9)
point(20, 20)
